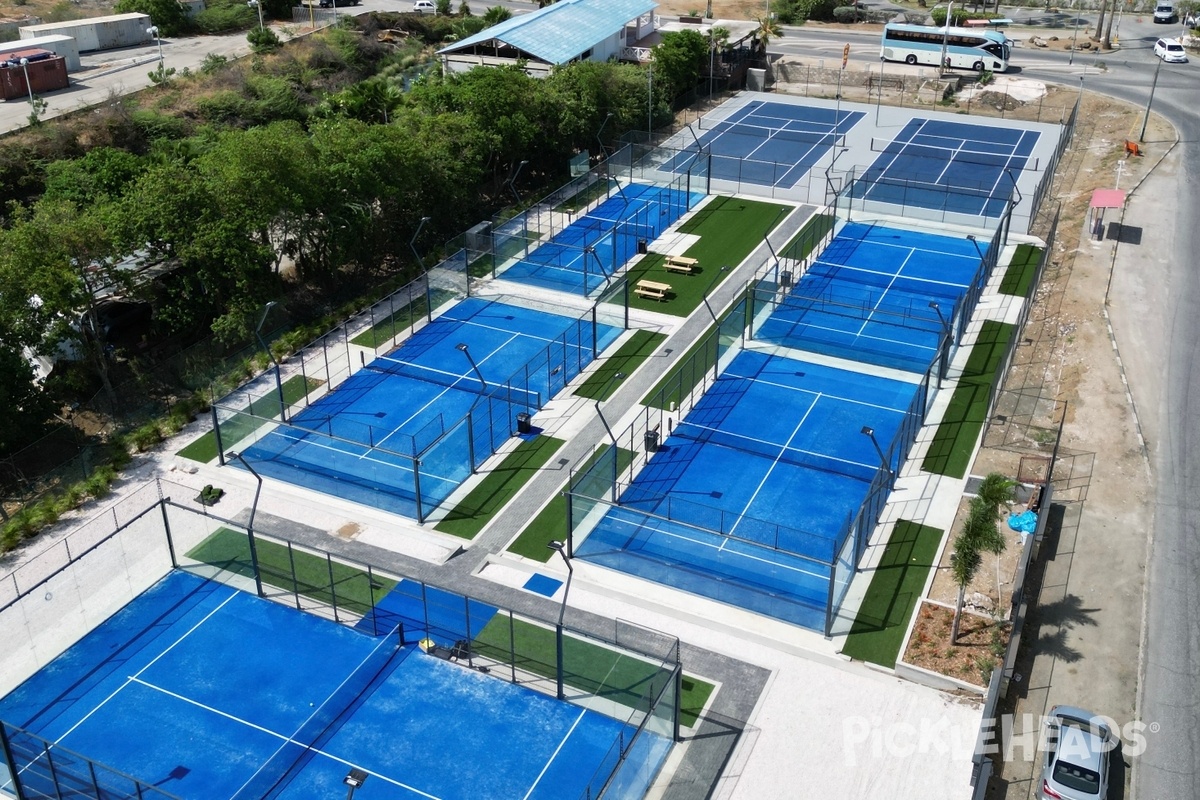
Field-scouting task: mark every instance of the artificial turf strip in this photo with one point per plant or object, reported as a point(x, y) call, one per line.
point(401, 319)
point(600, 384)
point(805, 241)
point(550, 525)
point(587, 666)
point(954, 441)
point(729, 229)
point(1018, 278)
point(878, 629)
point(499, 486)
point(234, 430)
point(685, 375)
point(351, 588)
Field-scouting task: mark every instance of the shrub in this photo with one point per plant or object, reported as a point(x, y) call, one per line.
point(213, 62)
point(443, 8)
point(225, 17)
point(263, 40)
point(845, 14)
point(960, 16)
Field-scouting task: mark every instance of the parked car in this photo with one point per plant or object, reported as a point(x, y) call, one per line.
point(1164, 12)
point(424, 7)
point(1170, 50)
point(1078, 747)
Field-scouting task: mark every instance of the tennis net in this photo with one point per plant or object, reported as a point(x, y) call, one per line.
point(453, 380)
point(961, 155)
point(582, 225)
point(829, 137)
point(286, 762)
point(776, 452)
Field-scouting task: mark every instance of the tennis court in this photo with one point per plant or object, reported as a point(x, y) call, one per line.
point(588, 252)
point(208, 692)
point(769, 143)
point(404, 431)
point(750, 498)
point(877, 295)
point(949, 166)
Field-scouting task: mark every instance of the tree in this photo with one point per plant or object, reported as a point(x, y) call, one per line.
point(995, 492)
point(768, 29)
point(26, 407)
point(966, 559)
point(496, 15)
point(168, 15)
point(678, 59)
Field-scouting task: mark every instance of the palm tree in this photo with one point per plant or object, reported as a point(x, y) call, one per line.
point(496, 14)
point(964, 563)
point(768, 28)
point(995, 492)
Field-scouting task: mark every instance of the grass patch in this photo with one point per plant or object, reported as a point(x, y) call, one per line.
point(878, 630)
point(204, 449)
point(954, 441)
point(805, 241)
point(351, 587)
point(1018, 278)
point(587, 666)
point(685, 375)
point(550, 525)
point(499, 486)
point(729, 229)
point(401, 319)
point(628, 358)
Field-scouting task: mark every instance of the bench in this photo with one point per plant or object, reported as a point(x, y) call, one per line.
point(680, 264)
point(652, 290)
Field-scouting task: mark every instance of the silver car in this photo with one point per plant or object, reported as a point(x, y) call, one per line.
point(1078, 746)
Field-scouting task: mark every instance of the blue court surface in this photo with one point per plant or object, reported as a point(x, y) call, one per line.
point(867, 297)
point(768, 143)
point(949, 166)
point(359, 441)
point(749, 499)
point(587, 253)
point(208, 692)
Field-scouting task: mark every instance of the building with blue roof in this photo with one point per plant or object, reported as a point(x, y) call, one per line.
point(569, 30)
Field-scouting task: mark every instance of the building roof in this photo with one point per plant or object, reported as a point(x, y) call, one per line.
point(562, 31)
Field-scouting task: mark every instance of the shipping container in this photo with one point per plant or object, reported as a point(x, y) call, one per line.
point(60, 45)
point(46, 72)
point(98, 33)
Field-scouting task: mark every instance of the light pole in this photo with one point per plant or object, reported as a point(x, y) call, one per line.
point(153, 31)
point(946, 334)
point(278, 380)
point(869, 432)
point(603, 396)
point(1074, 36)
point(600, 139)
point(1153, 85)
point(28, 85)
point(946, 35)
point(716, 279)
point(561, 549)
point(412, 243)
point(250, 524)
point(258, 5)
point(354, 780)
point(650, 101)
point(462, 348)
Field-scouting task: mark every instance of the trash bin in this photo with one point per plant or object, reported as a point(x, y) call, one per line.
point(785, 279)
point(643, 247)
point(523, 423)
point(652, 441)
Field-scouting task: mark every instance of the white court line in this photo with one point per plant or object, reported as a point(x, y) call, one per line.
point(886, 289)
point(787, 445)
point(308, 442)
point(721, 547)
point(134, 677)
point(441, 394)
point(286, 739)
point(911, 251)
point(554, 755)
point(862, 403)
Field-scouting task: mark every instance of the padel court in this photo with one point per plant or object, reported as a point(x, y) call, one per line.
point(928, 157)
point(587, 253)
point(750, 498)
point(879, 295)
point(403, 432)
point(204, 691)
point(769, 143)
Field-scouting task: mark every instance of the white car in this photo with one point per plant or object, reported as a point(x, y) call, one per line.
point(1164, 12)
point(1170, 50)
point(424, 7)
point(1078, 748)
